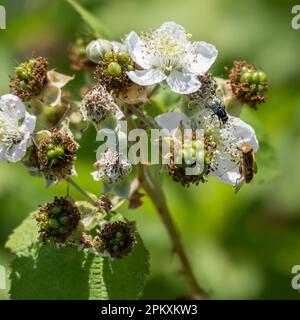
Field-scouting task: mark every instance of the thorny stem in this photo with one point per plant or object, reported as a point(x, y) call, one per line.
point(157, 196)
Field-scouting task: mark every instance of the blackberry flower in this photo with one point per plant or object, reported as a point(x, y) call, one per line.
point(168, 54)
point(16, 127)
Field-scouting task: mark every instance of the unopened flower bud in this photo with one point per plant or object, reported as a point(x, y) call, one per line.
point(97, 49)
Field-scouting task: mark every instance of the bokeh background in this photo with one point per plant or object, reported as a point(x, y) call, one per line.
point(241, 246)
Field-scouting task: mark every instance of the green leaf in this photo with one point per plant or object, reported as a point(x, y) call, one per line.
point(23, 237)
point(99, 29)
point(49, 272)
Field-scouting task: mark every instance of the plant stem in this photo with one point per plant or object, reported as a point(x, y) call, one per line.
point(83, 192)
point(157, 196)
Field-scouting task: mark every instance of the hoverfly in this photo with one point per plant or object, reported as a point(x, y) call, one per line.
point(248, 165)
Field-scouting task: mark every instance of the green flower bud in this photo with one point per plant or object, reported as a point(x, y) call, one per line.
point(96, 49)
point(114, 69)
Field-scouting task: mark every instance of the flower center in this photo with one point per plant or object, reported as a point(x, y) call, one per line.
point(166, 50)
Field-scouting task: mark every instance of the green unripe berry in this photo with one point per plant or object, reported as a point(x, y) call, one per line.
point(51, 154)
point(260, 88)
point(255, 77)
point(245, 69)
point(247, 76)
point(59, 151)
point(62, 230)
point(22, 73)
point(121, 243)
point(123, 56)
point(130, 67)
point(114, 69)
point(119, 235)
point(55, 211)
point(23, 85)
point(64, 220)
point(50, 146)
point(108, 56)
point(53, 223)
point(262, 76)
point(54, 161)
point(115, 248)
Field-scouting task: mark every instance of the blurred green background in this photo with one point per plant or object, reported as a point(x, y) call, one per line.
point(241, 246)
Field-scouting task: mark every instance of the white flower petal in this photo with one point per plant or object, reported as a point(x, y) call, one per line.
point(201, 56)
point(173, 30)
point(183, 83)
point(225, 169)
point(13, 106)
point(29, 123)
point(238, 133)
point(171, 120)
point(17, 152)
point(136, 48)
point(2, 152)
point(147, 77)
